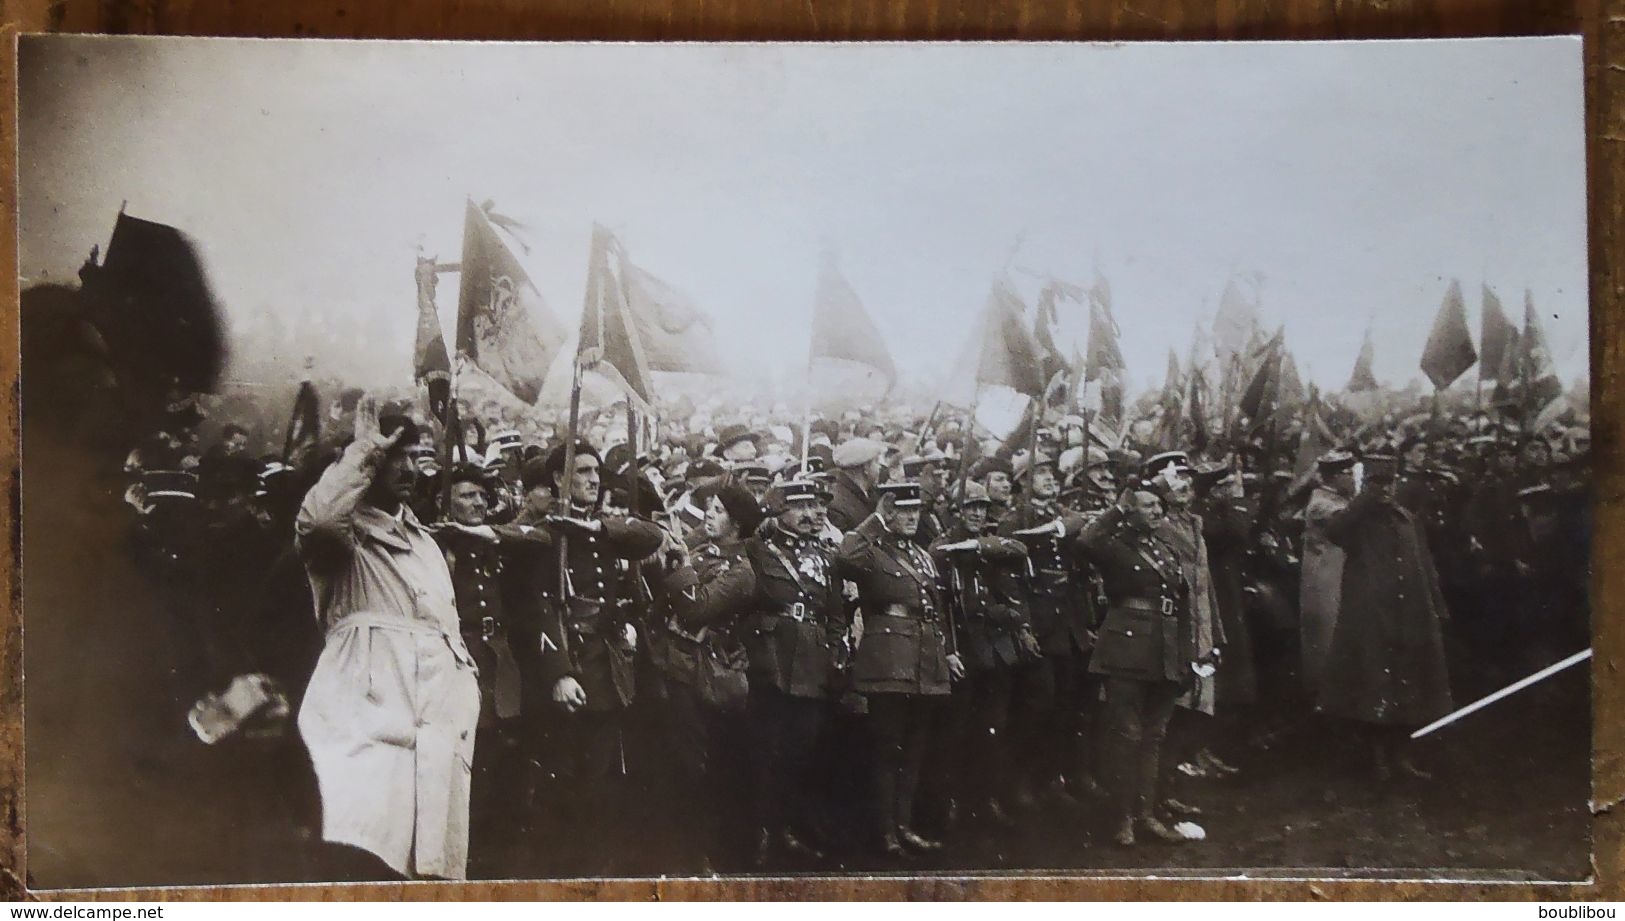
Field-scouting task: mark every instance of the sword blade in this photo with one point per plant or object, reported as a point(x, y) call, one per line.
point(1507, 691)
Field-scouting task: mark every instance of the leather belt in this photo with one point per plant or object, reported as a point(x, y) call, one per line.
point(1164, 606)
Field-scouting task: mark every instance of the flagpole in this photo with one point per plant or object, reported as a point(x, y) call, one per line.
point(970, 439)
point(931, 420)
point(633, 476)
point(1507, 691)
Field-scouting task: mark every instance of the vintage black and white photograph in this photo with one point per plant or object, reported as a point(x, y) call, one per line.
point(550, 461)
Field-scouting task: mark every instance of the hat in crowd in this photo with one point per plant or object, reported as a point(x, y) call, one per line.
point(1334, 462)
point(991, 464)
point(417, 451)
point(915, 463)
point(790, 493)
point(1096, 457)
point(741, 506)
point(752, 472)
point(704, 468)
point(553, 465)
point(1210, 475)
point(975, 494)
point(856, 452)
point(391, 423)
point(734, 435)
point(905, 494)
point(1156, 464)
point(1380, 467)
point(1126, 458)
point(468, 473)
point(174, 484)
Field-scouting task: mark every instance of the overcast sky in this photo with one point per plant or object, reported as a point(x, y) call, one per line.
point(1351, 181)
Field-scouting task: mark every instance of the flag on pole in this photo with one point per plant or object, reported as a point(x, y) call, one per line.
point(1235, 326)
point(1540, 381)
point(1363, 378)
point(1449, 351)
point(1051, 361)
point(431, 366)
point(609, 344)
point(1496, 336)
point(152, 303)
point(1291, 390)
point(676, 335)
point(842, 328)
point(1509, 376)
point(304, 423)
point(1262, 395)
point(1011, 356)
point(503, 325)
point(1104, 359)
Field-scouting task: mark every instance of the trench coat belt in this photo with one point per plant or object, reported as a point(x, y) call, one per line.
point(903, 610)
point(373, 619)
point(1162, 605)
point(797, 612)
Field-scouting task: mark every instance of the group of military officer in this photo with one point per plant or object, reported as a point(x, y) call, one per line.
point(867, 650)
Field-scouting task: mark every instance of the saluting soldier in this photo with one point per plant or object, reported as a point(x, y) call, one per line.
point(1144, 651)
point(992, 635)
point(586, 643)
point(1061, 606)
point(857, 474)
point(794, 632)
point(902, 665)
point(474, 552)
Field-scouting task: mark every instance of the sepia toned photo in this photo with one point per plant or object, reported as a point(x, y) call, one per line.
point(554, 461)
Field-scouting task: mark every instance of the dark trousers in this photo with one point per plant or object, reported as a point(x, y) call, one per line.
point(1055, 700)
point(698, 744)
point(984, 756)
point(494, 792)
point(1137, 715)
point(784, 731)
point(900, 726)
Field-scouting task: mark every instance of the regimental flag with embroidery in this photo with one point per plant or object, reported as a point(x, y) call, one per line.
point(1496, 337)
point(676, 335)
point(503, 325)
point(1011, 356)
point(1540, 381)
point(1449, 351)
point(1363, 377)
point(609, 344)
point(1104, 359)
point(1052, 363)
point(842, 329)
point(431, 366)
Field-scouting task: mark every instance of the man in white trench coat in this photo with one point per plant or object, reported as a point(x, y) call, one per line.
point(390, 713)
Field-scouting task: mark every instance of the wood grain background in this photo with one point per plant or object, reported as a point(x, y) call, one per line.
point(1602, 22)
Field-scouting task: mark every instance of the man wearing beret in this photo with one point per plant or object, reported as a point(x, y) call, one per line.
point(857, 475)
point(390, 712)
point(902, 665)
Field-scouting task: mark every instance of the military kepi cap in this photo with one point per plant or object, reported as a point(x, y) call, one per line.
point(903, 495)
point(790, 492)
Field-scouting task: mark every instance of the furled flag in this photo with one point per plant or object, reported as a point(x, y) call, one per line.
point(1540, 382)
point(842, 329)
point(1235, 325)
point(1170, 409)
point(1291, 391)
point(1262, 395)
point(676, 335)
point(1104, 359)
point(1449, 351)
point(503, 325)
point(304, 424)
point(1508, 377)
point(1011, 356)
point(609, 342)
point(1496, 335)
point(1363, 377)
point(152, 304)
point(431, 366)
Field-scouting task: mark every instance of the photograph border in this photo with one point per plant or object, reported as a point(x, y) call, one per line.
point(1600, 22)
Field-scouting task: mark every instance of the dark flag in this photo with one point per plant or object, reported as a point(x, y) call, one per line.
point(503, 325)
point(842, 328)
point(1363, 378)
point(1011, 356)
point(304, 424)
point(1198, 415)
point(1259, 400)
point(1540, 382)
point(153, 306)
point(610, 345)
point(431, 366)
point(1291, 390)
point(1449, 351)
point(1509, 376)
point(1496, 336)
point(1104, 359)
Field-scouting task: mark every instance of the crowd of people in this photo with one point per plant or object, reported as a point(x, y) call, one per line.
point(875, 634)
